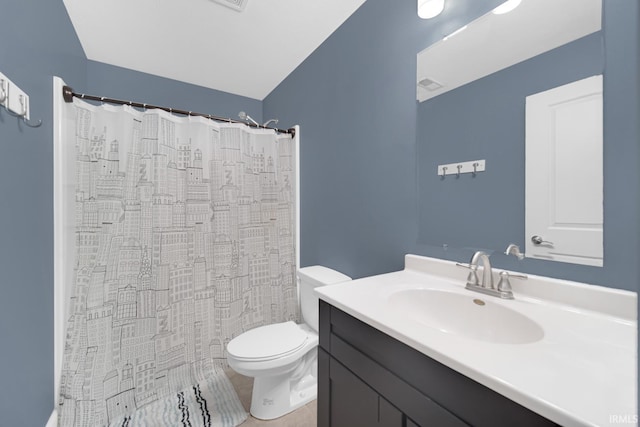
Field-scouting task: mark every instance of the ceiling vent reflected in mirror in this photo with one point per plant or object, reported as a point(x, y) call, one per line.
point(237, 5)
point(429, 84)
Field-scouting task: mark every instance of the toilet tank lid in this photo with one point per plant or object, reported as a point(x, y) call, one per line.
point(320, 275)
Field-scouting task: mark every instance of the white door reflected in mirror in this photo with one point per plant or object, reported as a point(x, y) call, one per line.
point(564, 185)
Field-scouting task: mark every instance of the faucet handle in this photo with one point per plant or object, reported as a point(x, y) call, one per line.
point(472, 278)
point(504, 285)
point(469, 266)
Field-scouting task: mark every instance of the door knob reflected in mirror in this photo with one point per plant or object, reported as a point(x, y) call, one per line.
point(537, 240)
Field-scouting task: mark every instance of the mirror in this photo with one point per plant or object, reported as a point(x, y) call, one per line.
point(494, 42)
point(472, 88)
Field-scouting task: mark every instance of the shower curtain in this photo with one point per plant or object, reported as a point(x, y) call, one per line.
point(184, 238)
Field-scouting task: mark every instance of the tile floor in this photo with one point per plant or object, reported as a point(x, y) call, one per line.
point(303, 417)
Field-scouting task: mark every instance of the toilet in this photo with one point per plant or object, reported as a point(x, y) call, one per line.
point(282, 358)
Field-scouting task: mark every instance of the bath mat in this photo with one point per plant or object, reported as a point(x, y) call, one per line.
point(211, 403)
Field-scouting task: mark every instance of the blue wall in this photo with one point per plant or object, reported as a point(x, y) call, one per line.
point(38, 42)
point(355, 100)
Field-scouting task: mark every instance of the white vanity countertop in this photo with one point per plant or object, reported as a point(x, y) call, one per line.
point(581, 373)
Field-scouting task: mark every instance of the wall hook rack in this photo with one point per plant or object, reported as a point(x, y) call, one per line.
point(16, 101)
point(473, 167)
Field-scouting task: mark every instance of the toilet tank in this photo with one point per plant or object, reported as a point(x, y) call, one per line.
point(310, 278)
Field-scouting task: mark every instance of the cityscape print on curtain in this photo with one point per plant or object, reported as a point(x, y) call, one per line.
point(185, 238)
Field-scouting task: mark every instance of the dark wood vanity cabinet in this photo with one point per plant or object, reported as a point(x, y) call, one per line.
point(367, 378)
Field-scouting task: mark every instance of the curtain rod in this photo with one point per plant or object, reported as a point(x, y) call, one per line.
point(68, 94)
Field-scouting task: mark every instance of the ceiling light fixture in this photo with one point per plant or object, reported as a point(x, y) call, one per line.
point(506, 7)
point(430, 8)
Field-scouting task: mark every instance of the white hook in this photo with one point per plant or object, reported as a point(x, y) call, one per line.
point(444, 171)
point(3, 91)
point(23, 114)
point(459, 167)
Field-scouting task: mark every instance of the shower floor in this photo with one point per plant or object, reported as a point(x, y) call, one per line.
point(302, 417)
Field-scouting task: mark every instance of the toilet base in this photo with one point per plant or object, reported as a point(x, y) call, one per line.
point(272, 397)
point(278, 395)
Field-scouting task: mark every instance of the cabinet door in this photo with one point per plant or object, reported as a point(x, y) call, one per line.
point(355, 404)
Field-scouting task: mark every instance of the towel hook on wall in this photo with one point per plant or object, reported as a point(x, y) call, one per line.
point(459, 168)
point(24, 109)
point(23, 113)
point(15, 101)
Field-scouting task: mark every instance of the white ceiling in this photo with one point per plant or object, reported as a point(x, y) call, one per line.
point(494, 42)
point(204, 43)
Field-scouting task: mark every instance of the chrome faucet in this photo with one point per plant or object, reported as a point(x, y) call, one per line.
point(487, 274)
point(486, 286)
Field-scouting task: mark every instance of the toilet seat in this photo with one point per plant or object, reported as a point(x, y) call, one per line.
point(267, 342)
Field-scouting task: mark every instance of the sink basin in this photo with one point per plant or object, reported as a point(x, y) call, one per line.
point(471, 316)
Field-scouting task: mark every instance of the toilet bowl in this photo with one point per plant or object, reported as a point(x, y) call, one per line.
point(283, 357)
